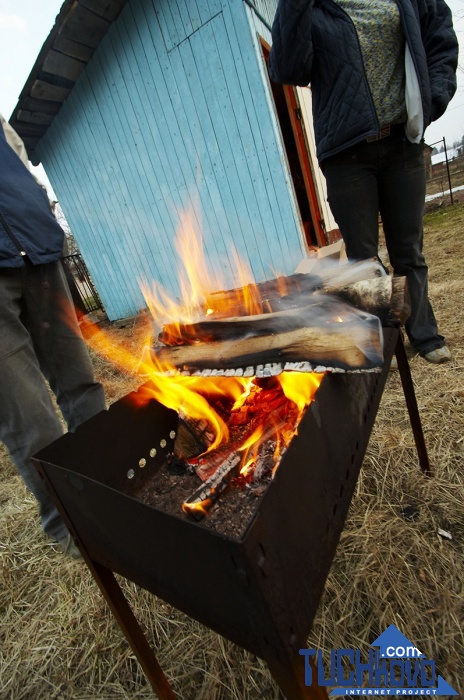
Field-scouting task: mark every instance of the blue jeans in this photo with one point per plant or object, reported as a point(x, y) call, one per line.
point(40, 340)
point(387, 177)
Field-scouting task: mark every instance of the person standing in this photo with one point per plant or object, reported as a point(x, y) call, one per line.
point(380, 71)
point(41, 345)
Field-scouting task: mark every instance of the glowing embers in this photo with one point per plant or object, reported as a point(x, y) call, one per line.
point(261, 425)
point(226, 482)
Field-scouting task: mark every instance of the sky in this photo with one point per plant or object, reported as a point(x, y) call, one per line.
point(25, 24)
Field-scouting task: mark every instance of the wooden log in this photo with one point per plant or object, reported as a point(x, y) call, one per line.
point(267, 295)
point(191, 438)
point(355, 345)
point(200, 502)
point(385, 297)
point(233, 302)
point(335, 275)
point(260, 324)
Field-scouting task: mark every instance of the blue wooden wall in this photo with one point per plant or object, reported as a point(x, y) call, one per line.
point(174, 112)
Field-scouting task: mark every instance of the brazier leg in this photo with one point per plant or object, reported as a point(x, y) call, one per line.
point(411, 403)
point(131, 629)
point(119, 606)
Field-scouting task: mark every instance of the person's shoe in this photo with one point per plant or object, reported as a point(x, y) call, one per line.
point(438, 356)
point(69, 547)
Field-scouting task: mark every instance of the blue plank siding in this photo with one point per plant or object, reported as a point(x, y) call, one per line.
point(179, 19)
point(174, 113)
point(283, 208)
point(193, 148)
point(85, 207)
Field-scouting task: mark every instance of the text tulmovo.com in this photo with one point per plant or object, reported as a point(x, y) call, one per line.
point(393, 667)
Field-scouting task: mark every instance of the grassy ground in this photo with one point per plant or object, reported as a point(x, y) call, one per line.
point(59, 640)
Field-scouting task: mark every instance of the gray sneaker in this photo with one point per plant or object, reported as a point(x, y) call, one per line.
point(68, 546)
point(438, 356)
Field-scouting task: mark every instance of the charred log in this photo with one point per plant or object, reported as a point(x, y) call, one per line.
point(235, 302)
point(385, 297)
point(346, 345)
point(198, 505)
point(267, 295)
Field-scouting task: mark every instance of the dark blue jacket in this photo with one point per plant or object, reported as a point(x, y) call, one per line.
point(27, 225)
point(315, 41)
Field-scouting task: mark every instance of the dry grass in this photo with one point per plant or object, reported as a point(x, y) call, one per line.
point(59, 640)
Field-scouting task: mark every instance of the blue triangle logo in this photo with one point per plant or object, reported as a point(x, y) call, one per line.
point(444, 688)
point(394, 645)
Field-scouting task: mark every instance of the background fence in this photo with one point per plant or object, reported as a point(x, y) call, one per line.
point(83, 291)
point(445, 173)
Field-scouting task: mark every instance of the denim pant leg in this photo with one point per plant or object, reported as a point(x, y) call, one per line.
point(402, 186)
point(40, 337)
point(59, 345)
point(28, 421)
point(386, 177)
point(353, 198)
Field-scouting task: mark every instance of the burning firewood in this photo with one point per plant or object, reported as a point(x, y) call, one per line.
point(297, 326)
point(322, 349)
point(266, 296)
point(386, 297)
point(212, 489)
point(260, 428)
point(355, 343)
point(236, 302)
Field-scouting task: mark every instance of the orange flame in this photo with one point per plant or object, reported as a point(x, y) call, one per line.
point(248, 294)
point(202, 508)
point(250, 449)
point(190, 395)
point(298, 389)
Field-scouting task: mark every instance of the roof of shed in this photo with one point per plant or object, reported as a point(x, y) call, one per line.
point(78, 30)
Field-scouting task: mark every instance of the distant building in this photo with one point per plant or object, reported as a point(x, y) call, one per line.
point(450, 153)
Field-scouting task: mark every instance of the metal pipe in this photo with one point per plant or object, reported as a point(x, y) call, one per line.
point(448, 171)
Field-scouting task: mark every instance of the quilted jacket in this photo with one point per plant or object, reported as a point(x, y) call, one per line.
point(315, 41)
point(27, 225)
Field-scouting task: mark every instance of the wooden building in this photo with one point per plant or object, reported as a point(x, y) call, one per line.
point(143, 110)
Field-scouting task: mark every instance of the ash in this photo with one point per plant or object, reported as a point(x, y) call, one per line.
point(231, 514)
